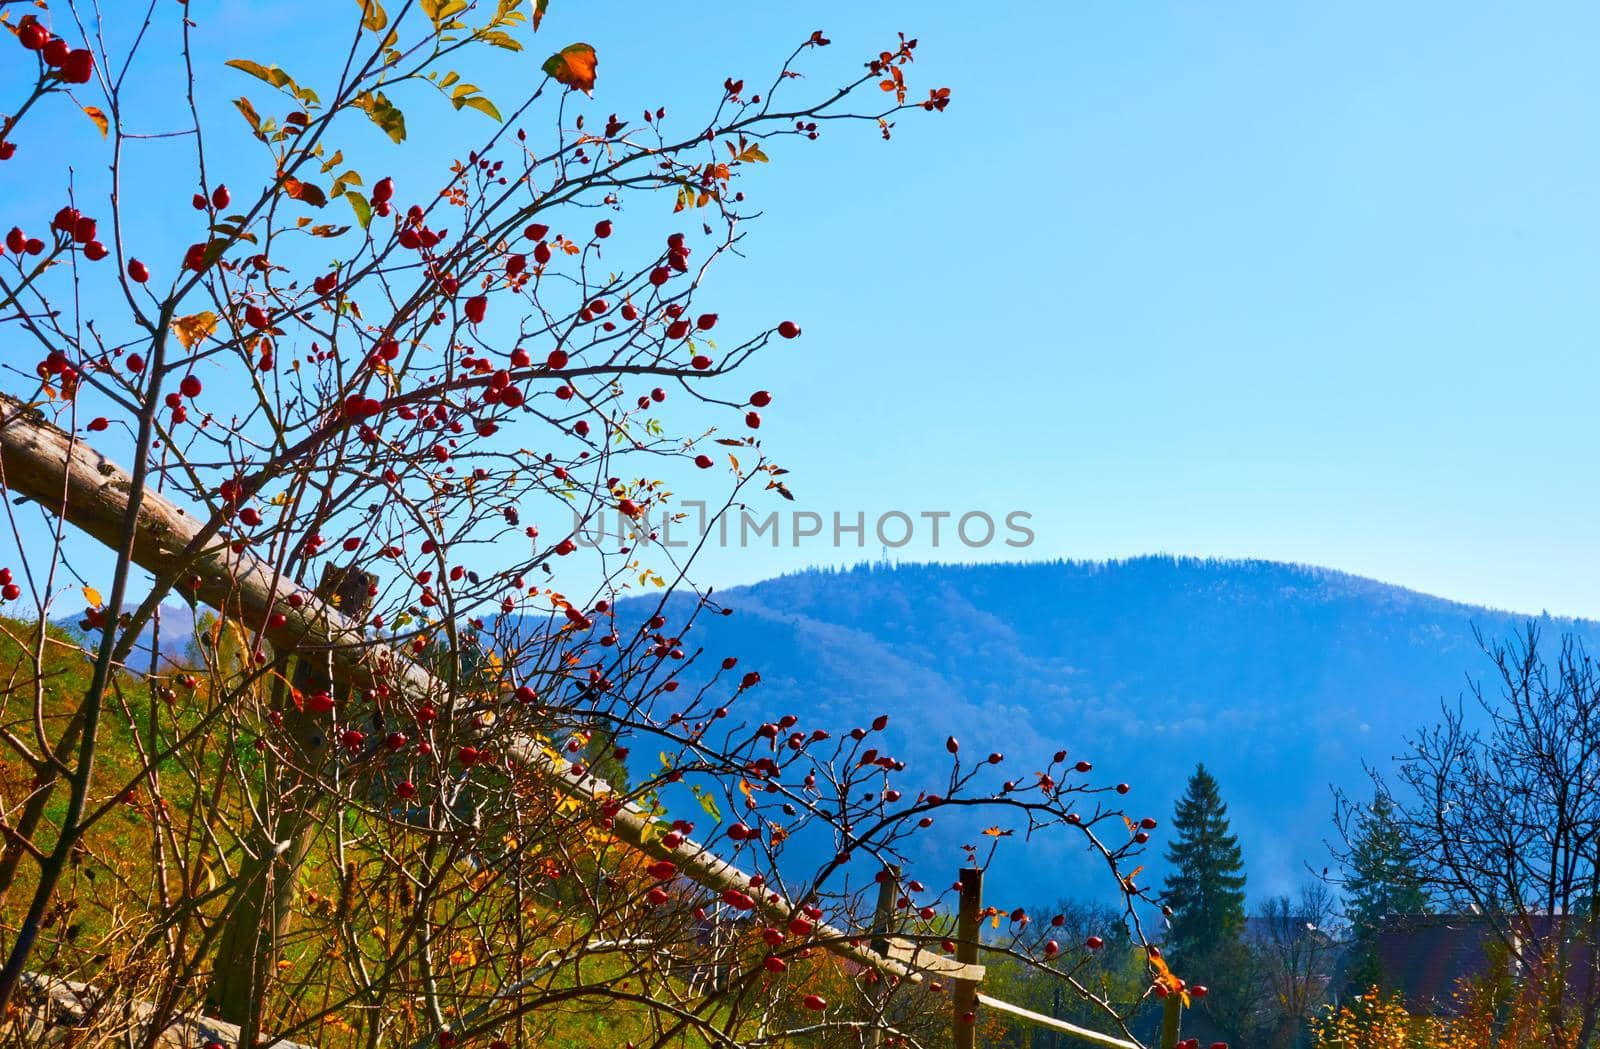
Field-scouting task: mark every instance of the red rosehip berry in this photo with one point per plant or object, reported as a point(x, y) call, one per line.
point(78, 67)
point(220, 197)
point(477, 307)
point(1094, 943)
point(138, 272)
point(602, 229)
point(789, 329)
point(32, 35)
point(190, 386)
point(98, 424)
point(703, 461)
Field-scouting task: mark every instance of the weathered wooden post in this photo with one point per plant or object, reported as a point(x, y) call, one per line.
point(1172, 1011)
point(882, 926)
point(968, 923)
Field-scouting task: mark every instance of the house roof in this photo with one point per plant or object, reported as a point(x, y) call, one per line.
point(1426, 956)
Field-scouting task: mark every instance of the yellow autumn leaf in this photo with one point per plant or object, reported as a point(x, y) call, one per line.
point(194, 328)
point(96, 114)
point(91, 595)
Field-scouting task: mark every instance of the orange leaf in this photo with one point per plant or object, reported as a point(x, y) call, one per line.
point(573, 66)
point(305, 192)
point(95, 114)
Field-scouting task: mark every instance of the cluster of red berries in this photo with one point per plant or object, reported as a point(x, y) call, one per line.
point(382, 194)
point(219, 199)
point(56, 363)
point(416, 236)
point(80, 229)
point(72, 65)
point(677, 259)
point(9, 590)
point(20, 243)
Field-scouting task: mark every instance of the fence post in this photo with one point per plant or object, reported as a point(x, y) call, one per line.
point(882, 926)
point(968, 922)
point(1172, 1009)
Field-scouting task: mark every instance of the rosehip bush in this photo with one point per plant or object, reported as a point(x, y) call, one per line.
point(363, 406)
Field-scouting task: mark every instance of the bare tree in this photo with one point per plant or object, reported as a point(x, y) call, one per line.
point(1500, 809)
point(1298, 943)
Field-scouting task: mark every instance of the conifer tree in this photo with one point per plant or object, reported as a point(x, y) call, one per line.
point(1205, 887)
point(1382, 880)
point(1205, 891)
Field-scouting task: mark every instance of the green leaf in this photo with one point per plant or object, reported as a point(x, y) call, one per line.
point(384, 114)
point(481, 104)
point(362, 209)
point(709, 803)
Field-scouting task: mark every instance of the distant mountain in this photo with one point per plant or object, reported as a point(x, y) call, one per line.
point(1282, 678)
point(176, 631)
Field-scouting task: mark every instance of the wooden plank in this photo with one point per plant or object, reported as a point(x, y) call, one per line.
point(928, 963)
point(1053, 1024)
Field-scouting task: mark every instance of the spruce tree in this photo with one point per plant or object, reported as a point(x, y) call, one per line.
point(1382, 880)
point(1205, 890)
point(1205, 887)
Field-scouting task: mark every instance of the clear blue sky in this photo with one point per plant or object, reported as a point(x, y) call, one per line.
point(1303, 282)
